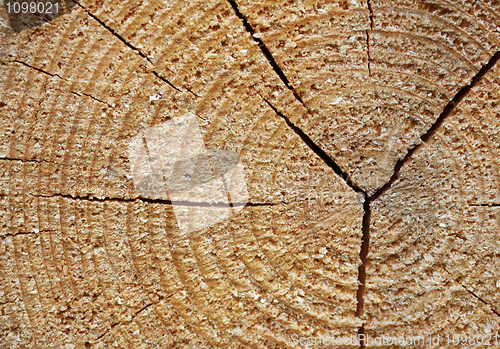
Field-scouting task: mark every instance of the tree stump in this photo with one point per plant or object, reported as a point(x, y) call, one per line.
point(251, 174)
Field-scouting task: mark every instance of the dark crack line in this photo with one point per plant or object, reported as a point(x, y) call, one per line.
point(315, 148)
point(261, 44)
point(39, 69)
point(129, 45)
point(79, 94)
point(436, 126)
point(102, 335)
point(165, 81)
point(140, 311)
point(92, 97)
point(29, 160)
point(165, 202)
point(266, 53)
point(189, 90)
point(368, 2)
point(363, 255)
point(368, 53)
point(132, 318)
point(484, 205)
point(472, 293)
point(481, 300)
point(368, 37)
point(21, 233)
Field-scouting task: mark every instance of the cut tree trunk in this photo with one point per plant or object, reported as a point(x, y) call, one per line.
point(364, 205)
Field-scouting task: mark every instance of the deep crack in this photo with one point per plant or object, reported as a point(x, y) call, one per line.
point(166, 202)
point(363, 255)
point(266, 53)
point(368, 53)
point(439, 121)
point(129, 45)
point(315, 148)
point(369, 4)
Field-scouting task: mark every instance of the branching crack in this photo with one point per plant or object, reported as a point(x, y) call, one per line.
point(367, 205)
point(365, 240)
point(129, 45)
point(439, 121)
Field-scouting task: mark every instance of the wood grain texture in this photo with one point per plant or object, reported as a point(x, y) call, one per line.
point(434, 234)
point(88, 261)
point(374, 78)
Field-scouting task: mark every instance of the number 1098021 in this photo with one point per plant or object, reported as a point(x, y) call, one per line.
point(33, 7)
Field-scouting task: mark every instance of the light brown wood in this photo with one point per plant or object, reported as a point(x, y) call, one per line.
point(434, 248)
point(90, 260)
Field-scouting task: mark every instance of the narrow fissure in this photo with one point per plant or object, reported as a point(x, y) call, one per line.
point(165, 202)
point(79, 94)
point(363, 255)
point(129, 45)
point(476, 296)
point(368, 53)
point(439, 121)
point(141, 310)
point(315, 148)
point(320, 152)
point(29, 160)
point(91, 97)
point(481, 300)
point(266, 53)
point(368, 2)
point(39, 70)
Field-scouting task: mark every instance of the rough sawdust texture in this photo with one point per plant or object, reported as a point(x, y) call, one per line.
point(86, 262)
point(441, 246)
point(374, 79)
